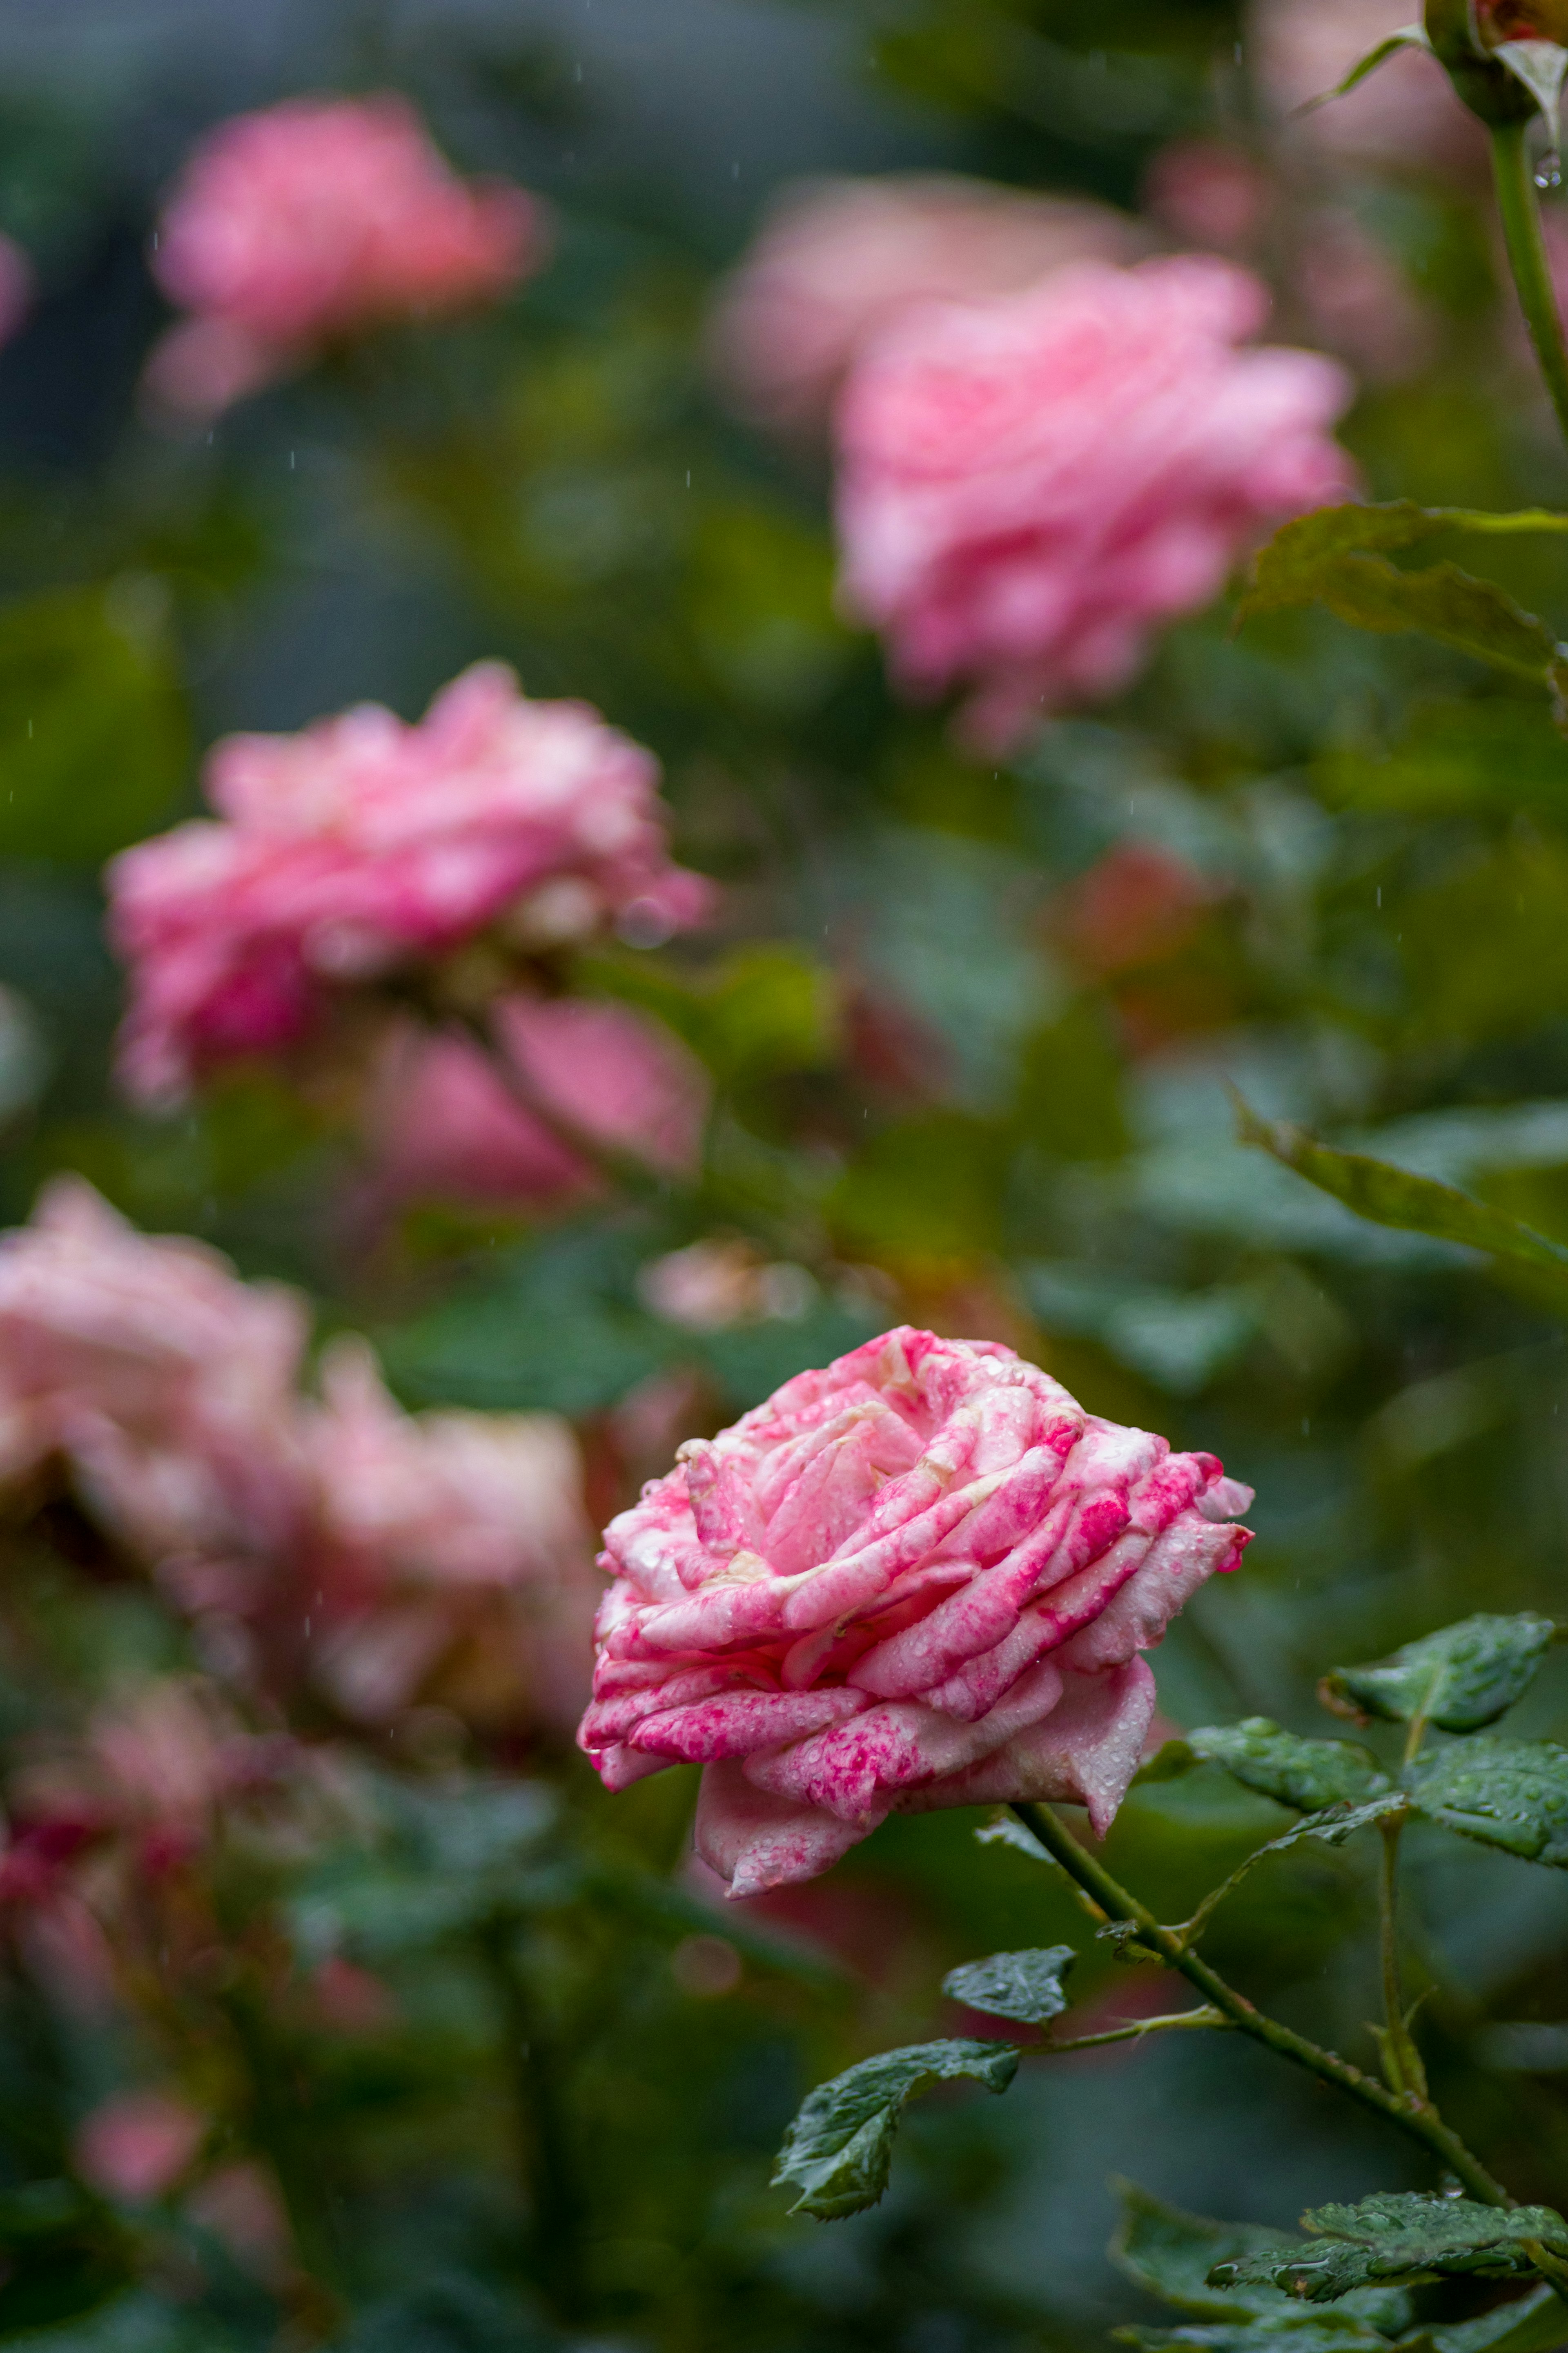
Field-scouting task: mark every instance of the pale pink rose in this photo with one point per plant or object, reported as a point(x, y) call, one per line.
point(315, 220)
point(1404, 113)
point(241, 2204)
point(922, 1578)
point(161, 1382)
point(362, 845)
point(444, 1122)
point(427, 1521)
point(136, 2145)
point(1030, 486)
point(836, 259)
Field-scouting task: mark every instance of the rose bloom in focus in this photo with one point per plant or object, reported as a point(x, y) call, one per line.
point(313, 221)
point(1029, 486)
point(363, 845)
point(922, 1578)
point(836, 259)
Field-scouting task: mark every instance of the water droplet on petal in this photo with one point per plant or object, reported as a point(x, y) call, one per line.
point(1549, 170)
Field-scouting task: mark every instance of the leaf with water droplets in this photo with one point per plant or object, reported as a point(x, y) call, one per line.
point(1507, 1793)
point(838, 2150)
point(1404, 2236)
point(1460, 1678)
point(1306, 1774)
point(1027, 1987)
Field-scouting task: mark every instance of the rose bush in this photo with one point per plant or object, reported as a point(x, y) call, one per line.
point(919, 1578)
point(314, 220)
point(362, 845)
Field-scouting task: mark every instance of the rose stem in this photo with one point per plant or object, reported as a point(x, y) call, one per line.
point(1415, 2116)
point(1526, 259)
point(548, 2174)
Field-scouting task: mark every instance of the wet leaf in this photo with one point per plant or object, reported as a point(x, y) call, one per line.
point(1398, 2235)
point(1023, 1986)
point(1172, 2255)
point(1307, 1773)
point(1460, 1678)
point(1507, 1793)
point(838, 2151)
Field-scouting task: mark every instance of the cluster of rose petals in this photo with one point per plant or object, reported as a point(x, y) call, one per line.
point(363, 844)
point(836, 259)
point(1030, 485)
point(312, 221)
point(164, 1384)
point(342, 1541)
point(443, 1124)
point(922, 1578)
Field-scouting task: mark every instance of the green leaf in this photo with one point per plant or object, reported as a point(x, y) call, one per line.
point(1460, 1678)
point(1172, 2255)
point(1507, 1793)
point(1332, 558)
point(837, 2152)
point(1292, 2328)
point(1388, 1196)
point(1400, 2236)
point(1408, 37)
point(1023, 1986)
point(1536, 2323)
point(1307, 1773)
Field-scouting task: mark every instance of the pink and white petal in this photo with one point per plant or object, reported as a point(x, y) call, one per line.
point(755, 1841)
point(1174, 1567)
point(738, 1724)
point(1084, 1753)
point(619, 1767)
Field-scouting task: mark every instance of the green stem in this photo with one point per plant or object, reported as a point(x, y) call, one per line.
point(1417, 2118)
point(1527, 258)
point(1402, 2061)
point(544, 2158)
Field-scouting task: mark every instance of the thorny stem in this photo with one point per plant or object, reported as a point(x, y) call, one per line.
point(1413, 2116)
point(1137, 2028)
point(1520, 215)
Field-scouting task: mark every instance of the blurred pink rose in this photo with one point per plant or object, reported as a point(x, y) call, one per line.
point(1207, 194)
point(425, 1520)
point(1030, 485)
point(362, 844)
point(1405, 112)
point(136, 2146)
point(443, 1122)
point(836, 259)
point(315, 220)
point(159, 1381)
point(919, 1578)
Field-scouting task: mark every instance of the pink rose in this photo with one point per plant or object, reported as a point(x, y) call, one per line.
point(136, 2145)
point(919, 1578)
point(443, 1122)
point(1031, 485)
point(439, 1525)
point(315, 220)
point(363, 844)
point(836, 259)
point(161, 1382)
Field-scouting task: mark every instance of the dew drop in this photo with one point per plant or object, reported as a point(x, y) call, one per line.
point(1549, 170)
